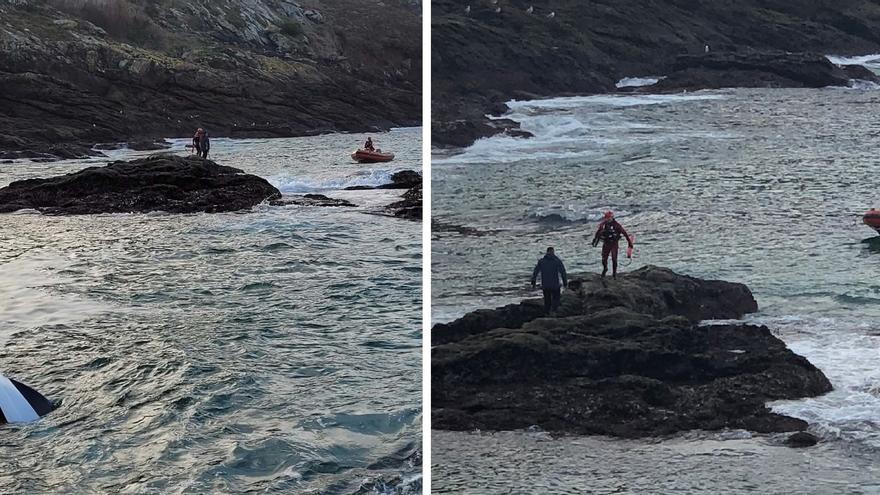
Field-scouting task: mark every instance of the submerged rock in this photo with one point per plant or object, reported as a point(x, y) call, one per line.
point(801, 439)
point(625, 358)
point(312, 200)
point(158, 183)
point(149, 145)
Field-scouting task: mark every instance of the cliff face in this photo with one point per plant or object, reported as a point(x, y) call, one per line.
point(481, 56)
point(76, 72)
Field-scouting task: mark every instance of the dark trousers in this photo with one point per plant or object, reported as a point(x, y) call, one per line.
point(609, 247)
point(551, 300)
point(204, 153)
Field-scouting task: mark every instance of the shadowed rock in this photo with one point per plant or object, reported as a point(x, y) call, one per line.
point(752, 68)
point(627, 359)
point(158, 183)
point(405, 179)
point(652, 290)
point(312, 200)
point(410, 207)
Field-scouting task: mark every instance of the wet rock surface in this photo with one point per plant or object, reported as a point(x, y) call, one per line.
point(158, 183)
point(623, 357)
point(481, 58)
point(410, 207)
point(73, 76)
point(312, 200)
point(756, 69)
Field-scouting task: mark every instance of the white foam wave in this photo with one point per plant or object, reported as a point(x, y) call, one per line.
point(846, 351)
point(863, 85)
point(572, 213)
point(574, 128)
point(637, 82)
point(571, 102)
point(308, 184)
point(866, 60)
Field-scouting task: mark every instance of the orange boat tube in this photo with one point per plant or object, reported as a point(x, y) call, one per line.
point(872, 219)
point(364, 156)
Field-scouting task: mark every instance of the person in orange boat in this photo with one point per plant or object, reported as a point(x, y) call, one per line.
point(369, 145)
point(610, 231)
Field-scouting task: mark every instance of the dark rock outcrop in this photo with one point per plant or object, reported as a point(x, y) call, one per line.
point(312, 200)
point(410, 207)
point(627, 359)
point(75, 73)
point(801, 439)
point(149, 145)
point(752, 68)
point(158, 183)
point(481, 58)
point(404, 179)
point(463, 132)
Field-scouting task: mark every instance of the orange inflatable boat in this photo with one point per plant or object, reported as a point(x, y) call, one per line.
point(364, 156)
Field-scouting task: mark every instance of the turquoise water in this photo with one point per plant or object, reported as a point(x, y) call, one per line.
point(273, 350)
point(764, 187)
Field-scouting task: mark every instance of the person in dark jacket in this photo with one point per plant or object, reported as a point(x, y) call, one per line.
point(368, 145)
point(204, 144)
point(610, 231)
point(551, 269)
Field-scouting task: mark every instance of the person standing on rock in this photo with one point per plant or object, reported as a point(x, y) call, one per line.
point(551, 269)
point(196, 140)
point(610, 231)
point(204, 144)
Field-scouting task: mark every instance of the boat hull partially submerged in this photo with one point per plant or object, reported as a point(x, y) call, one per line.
point(20, 403)
point(872, 219)
point(364, 156)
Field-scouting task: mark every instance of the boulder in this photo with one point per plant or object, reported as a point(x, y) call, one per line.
point(801, 439)
point(625, 358)
point(158, 183)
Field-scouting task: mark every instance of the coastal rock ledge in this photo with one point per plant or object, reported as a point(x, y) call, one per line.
point(624, 357)
point(167, 183)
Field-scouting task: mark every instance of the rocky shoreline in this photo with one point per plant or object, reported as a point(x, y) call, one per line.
point(73, 77)
point(586, 47)
point(624, 357)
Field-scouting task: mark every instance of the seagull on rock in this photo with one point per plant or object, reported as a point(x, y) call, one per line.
point(530, 9)
point(497, 10)
point(551, 15)
point(467, 10)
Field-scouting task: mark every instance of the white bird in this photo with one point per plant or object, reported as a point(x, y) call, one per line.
point(551, 15)
point(467, 10)
point(497, 10)
point(707, 48)
point(530, 9)
point(494, 2)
